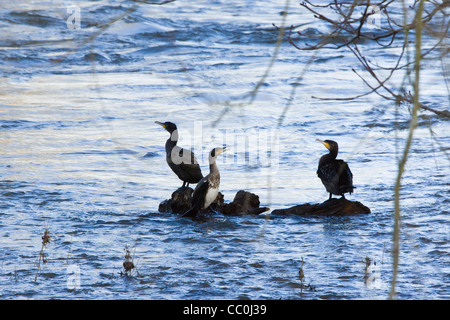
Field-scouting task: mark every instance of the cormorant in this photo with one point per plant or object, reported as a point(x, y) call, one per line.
point(335, 174)
point(181, 161)
point(207, 189)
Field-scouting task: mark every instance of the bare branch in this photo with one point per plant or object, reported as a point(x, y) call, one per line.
point(347, 25)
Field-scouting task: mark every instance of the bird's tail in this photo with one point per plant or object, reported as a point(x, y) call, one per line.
point(192, 212)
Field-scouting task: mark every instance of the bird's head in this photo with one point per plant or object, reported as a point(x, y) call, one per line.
point(215, 152)
point(169, 126)
point(329, 144)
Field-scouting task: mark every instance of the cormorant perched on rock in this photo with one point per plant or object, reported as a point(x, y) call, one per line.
point(181, 161)
point(207, 189)
point(335, 174)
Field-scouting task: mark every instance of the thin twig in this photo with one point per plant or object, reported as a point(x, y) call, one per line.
point(401, 166)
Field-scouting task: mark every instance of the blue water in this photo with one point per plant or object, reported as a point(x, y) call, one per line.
point(82, 158)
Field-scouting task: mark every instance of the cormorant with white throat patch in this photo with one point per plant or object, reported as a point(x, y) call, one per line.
point(334, 173)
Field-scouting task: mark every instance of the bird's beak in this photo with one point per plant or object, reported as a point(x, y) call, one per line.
point(222, 150)
point(161, 124)
point(327, 145)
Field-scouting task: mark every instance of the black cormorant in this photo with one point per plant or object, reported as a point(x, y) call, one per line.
point(335, 174)
point(207, 189)
point(181, 161)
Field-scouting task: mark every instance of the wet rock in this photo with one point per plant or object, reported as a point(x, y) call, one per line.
point(332, 207)
point(179, 202)
point(244, 203)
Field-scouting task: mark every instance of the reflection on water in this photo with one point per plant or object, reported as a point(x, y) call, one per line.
point(82, 157)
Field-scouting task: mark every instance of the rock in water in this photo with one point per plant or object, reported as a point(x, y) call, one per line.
point(244, 203)
point(180, 201)
point(332, 207)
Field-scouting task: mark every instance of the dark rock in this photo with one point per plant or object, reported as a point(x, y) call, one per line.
point(180, 201)
point(332, 207)
point(248, 203)
point(244, 203)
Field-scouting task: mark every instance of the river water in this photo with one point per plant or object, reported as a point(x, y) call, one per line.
point(82, 157)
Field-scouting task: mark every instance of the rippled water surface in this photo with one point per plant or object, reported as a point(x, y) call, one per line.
point(82, 157)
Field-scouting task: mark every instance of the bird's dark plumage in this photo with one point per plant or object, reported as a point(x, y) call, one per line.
point(334, 173)
point(182, 162)
point(207, 189)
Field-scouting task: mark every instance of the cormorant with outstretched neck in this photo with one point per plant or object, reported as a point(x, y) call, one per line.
point(181, 161)
point(334, 173)
point(207, 189)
